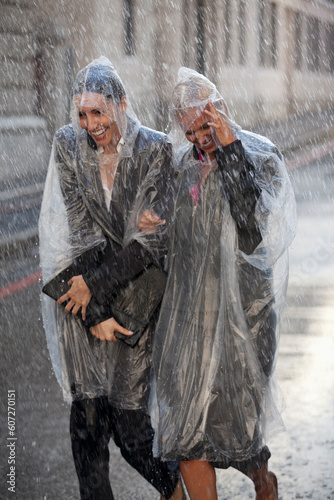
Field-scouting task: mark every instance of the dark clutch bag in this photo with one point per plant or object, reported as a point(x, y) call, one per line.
point(134, 304)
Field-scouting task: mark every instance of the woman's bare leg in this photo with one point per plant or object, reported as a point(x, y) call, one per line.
point(200, 479)
point(178, 492)
point(265, 483)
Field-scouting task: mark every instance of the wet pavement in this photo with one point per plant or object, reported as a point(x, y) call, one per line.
point(302, 457)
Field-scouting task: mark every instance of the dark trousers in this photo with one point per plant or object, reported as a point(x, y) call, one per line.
point(93, 422)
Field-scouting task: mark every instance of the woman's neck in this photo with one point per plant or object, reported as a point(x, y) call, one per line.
point(111, 148)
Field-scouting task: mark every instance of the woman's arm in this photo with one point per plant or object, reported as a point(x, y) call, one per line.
point(80, 223)
point(242, 192)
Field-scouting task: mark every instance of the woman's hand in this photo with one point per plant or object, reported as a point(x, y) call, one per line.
point(106, 330)
point(78, 296)
point(222, 131)
point(149, 222)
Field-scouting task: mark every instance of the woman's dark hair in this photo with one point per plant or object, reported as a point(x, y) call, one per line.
point(100, 79)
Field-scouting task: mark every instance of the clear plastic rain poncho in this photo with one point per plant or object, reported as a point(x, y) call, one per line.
point(79, 212)
point(216, 340)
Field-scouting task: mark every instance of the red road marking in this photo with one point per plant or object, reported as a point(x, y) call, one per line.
point(20, 284)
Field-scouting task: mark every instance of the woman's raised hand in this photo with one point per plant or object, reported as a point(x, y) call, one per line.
point(222, 130)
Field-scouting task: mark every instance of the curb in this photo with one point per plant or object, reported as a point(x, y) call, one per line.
point(24, 191)
point(19, 245)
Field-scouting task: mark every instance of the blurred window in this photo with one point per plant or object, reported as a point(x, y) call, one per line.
point(329, 46)
point(129, 37)
point(228, 31)
point(298, 33)
point(267, 34)
point(273, 34)
point(242, 31)
point(185, 36)
point(200, 39)
point(261, 34)
point(313, 44)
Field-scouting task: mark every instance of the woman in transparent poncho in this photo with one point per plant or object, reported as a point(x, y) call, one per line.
point(216, 340)
point(103, 167)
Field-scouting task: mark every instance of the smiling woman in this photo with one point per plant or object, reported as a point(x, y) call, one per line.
point(102, 119)
point(97, 115)
point(105, 170)
point(216, 340)
point(201, 129)
point(100, 107)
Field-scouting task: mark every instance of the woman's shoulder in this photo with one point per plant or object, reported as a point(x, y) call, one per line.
point(149, 137)
point(257, 144)
point(65, 135)
point(65, 143)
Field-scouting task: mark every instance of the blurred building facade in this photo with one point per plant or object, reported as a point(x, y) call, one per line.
point(268, 58)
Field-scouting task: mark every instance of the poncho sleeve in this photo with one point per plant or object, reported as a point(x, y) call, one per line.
point(82, 229)
point(275, 208)
point(261, 198)
point(74, 355)
point(242, 192)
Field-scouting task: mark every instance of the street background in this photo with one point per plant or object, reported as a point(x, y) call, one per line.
point(302, 457)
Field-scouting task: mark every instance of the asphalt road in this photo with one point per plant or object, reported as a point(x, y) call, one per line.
point(302, 457)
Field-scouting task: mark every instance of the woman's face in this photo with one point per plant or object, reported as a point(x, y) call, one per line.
point(194, 123)
point(98, 115)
